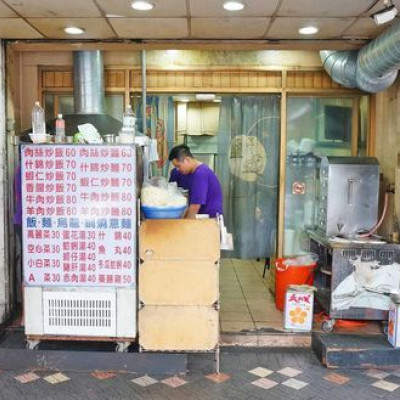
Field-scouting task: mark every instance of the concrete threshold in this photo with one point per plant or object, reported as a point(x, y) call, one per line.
point(266, 338)
point(81, 356)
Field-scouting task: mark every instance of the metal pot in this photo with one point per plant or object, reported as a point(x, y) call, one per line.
point(109, 138)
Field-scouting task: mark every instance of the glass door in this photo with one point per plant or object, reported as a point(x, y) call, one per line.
point(316, 127)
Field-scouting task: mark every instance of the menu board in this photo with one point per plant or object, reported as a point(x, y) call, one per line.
point(79, 215)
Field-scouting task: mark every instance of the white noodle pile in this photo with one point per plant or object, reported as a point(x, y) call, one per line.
point(160, 197)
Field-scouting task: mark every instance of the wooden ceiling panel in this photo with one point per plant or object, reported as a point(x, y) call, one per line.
point(95, 28)
point(229, 28)
point(212, 8)
point(163, 8)
point(150, 28)
point(12, 28)
point(53, 8)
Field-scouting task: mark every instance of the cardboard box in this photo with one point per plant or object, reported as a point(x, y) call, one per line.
point(299, 306)
point(394, 324)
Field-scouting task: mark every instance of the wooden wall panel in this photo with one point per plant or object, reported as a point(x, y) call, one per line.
point(194, 81)
point(310, 80)
point(114, 79)
point(171, 79)
point(191, 81)
point(57, 80)
point(135, 79)
point(179, 80)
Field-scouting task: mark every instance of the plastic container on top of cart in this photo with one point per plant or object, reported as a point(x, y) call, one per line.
point(167, 212)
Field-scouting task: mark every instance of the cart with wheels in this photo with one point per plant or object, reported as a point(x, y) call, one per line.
point(352, 278)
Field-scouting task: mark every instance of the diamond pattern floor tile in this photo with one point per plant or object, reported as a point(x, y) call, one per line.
point(378, 374)
point(56, 378)
point(336, 378)
point(385, 385)
point(218, 378)
point(174, 382)
point(103, 375)
point(288, 371)
point(264, 383)
point(144, 381)
point(261, 372)
point(295, 384)
point(27, 378)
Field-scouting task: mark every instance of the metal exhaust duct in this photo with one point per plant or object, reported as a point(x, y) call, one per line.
point(88, 82)
point(89, 97)
point(373, 68)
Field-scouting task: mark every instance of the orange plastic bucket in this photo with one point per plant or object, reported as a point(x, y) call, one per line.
point(290, 275)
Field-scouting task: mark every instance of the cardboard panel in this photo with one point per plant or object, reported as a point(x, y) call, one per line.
point(178, 282)
point(178, 328)
point(179, 239)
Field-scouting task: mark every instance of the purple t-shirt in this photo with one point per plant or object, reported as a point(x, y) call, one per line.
point(204, 189)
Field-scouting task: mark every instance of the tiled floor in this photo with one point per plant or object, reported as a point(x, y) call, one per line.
point(248, 374)
point(246, 301)
point(248, 305)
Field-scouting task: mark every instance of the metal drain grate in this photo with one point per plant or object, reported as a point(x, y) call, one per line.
point(79, 313)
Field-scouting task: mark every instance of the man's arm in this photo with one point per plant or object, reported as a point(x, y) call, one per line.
point(192, 210)
point(197, 193)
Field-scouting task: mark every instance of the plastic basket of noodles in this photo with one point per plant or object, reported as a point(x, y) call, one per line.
point(163, 212)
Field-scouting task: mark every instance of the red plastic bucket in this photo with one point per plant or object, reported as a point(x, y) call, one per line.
point(290, 275)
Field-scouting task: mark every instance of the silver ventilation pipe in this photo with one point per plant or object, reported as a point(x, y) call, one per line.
point(88, 82)
point(373, 68)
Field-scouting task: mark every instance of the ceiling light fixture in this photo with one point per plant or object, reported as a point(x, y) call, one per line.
point(142, 5)
point(385, 15)
point(308, 30)
point(233, 6)
point(205, 96)
point(74, 30)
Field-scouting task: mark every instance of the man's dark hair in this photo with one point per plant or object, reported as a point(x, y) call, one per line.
point(180, 152)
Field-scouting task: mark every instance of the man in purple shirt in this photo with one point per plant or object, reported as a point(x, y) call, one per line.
point(205, 193)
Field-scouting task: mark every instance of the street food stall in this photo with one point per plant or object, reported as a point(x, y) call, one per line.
point(80, 260)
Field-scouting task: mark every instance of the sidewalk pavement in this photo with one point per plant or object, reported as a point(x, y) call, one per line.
point(247, 374)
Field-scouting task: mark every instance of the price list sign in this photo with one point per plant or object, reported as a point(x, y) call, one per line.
point(79, 215)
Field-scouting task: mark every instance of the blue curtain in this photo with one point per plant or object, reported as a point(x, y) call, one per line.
point(247, 166)
point(159, 125)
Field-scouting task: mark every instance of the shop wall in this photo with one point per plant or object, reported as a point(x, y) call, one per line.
point(29, 61)
point(28, 91)
point(387, 145)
